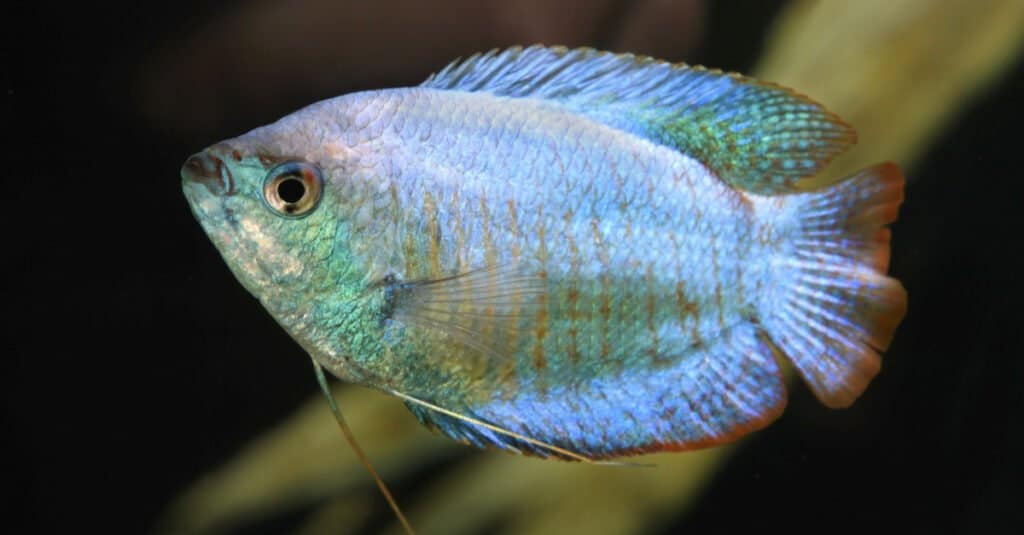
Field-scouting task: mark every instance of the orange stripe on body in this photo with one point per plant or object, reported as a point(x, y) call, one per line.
point(540, 331)
point(487, 326)
point(686, 308)
point(573, 292)
point(490, 250)
point(507, 375)
point(433, 235)
point(604, 299)
point(460, 233)
point(517, 236)
point(716, 274)
point(651, 309)
point(408, 242)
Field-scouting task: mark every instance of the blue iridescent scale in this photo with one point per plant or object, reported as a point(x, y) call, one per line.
point(571, 253)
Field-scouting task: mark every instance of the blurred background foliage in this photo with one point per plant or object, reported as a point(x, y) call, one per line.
point(148, 391)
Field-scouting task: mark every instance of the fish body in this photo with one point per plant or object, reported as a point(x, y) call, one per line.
point(549, 250)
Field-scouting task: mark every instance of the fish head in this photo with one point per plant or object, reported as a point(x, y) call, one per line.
point(261, 202)
point(293, 210)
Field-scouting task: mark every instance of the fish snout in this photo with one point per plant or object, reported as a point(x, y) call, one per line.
point(206, 169)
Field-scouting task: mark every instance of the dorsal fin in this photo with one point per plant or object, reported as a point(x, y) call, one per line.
point(754, 135)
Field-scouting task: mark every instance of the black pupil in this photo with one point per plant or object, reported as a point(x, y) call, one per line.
point(291, 190)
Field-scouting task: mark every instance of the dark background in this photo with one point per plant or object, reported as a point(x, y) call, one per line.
point(135, 362)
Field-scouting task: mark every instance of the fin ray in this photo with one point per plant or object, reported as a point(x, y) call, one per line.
point(412, 402)
point(754, 135)
point(709, 395)
point(835, 309)
point(484, 310)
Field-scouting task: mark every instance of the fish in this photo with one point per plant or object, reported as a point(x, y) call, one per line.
point(565, 252)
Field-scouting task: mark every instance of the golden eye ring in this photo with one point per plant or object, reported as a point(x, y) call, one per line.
point(293, 189)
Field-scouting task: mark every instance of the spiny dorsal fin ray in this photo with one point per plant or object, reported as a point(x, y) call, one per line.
point(756, 136)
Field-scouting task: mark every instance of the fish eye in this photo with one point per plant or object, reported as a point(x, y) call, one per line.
point(293, 189)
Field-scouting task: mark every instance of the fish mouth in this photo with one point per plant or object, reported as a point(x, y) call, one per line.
point(207, 168)
point(208, 187)
point(219, 217)
point(208, 184)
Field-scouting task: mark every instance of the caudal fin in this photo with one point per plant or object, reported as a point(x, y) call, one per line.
point(834, 309)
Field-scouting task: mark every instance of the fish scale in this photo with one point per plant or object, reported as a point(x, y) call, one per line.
point(489, 178)
point(566, 253)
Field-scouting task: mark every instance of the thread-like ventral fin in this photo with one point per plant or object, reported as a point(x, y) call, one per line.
point(356, 448)
point(754, 135)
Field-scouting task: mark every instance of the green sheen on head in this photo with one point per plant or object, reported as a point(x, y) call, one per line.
point(257, 210)
point(281, 210)
point(281, 205)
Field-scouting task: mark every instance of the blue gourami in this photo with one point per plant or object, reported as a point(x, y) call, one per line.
point(566, 252)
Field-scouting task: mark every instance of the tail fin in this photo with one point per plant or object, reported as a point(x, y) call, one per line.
point(834, 309)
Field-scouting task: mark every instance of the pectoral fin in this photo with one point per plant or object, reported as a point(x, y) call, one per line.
point(485, 310)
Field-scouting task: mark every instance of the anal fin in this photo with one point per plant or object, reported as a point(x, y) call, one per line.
point(711, 394)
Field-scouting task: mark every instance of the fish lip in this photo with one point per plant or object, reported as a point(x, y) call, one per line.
point(207, 168)
point(208, 207)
